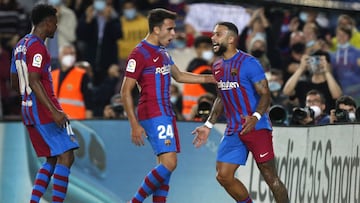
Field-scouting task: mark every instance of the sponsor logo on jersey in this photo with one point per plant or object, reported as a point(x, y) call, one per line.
point(163, 70)
point(37, 59)
point(131, 66)
point(227, 85)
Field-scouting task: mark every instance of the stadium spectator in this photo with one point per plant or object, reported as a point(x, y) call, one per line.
point(345, 110)
point(201, 64)
point(321, 79)
point(346, 63)
point(176, 100)
point(98, 31)
point(72, 85)
point(346, 20)
point(259, 27)
point(115, 110)
point(258, 48)
point(202, 109)
point(14, 23)
point(134, 28)
point(66, 31)
point(314, 111)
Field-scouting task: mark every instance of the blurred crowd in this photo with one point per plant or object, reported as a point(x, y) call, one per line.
point(311, 57)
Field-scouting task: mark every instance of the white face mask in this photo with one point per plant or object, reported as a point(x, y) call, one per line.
point(173, 99)
point(317, 111)
point(99, 5)
point(352, 116)
point(274, 86)
point(343, 46)
point(68, 60)
point(207, 55)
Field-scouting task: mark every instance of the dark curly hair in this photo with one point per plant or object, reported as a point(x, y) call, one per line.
point(40, 12)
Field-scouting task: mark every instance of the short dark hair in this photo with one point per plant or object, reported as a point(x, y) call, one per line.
point(347, 100)
point(40, 12)
point(231, 26)
point(202, 39)
point(322, 53)
point(157, 16)
point(317, 92)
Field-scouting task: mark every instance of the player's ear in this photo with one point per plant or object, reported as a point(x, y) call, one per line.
point(156, 30)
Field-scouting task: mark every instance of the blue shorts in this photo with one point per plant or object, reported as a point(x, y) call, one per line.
point(232, 150)
point(50, 140)
point(162, 134)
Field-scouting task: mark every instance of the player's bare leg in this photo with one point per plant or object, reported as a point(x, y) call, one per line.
point(226, 177)
point(268, 171)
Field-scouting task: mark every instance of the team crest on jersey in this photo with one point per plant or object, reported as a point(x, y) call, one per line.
point(131, 66)
point(37, 59)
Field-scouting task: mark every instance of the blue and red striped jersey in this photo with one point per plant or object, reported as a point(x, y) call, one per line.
point(150, 66)
point(31, 55)
point(235, 79)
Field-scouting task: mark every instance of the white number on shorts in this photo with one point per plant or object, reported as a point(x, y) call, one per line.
point(165, 131)
point(23, 76)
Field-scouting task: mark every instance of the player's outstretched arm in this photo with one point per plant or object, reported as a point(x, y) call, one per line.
point(202, 132)
point(187, 77)
point(137, 131)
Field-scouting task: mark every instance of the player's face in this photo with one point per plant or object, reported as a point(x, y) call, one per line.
point(166, 32)
point(220, 39)
point(51, 23)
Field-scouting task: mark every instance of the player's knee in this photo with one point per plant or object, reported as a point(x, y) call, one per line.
point(223, 179)
point(66, 158)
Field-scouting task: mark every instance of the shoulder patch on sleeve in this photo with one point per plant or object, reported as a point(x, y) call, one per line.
point(131, 66)
point(37, 59)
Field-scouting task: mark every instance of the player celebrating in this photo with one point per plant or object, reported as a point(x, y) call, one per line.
point(245, 97)
point(48, 126)
point(151, 67)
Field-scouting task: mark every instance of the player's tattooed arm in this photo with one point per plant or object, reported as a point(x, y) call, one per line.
point(262, 89)
point(216, 110)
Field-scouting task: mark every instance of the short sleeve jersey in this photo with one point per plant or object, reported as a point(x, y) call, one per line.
point(236, 77)
point(30, 55)
point(150, 66)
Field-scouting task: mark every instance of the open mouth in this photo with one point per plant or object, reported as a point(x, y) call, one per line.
point(216, 46)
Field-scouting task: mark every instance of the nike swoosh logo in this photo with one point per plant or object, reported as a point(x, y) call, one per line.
point(156, 59)
point(216, 72)
point(263, 155)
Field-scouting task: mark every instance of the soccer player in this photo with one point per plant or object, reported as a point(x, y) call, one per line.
point(49, 129)
point(245, 97)
point(150, 67)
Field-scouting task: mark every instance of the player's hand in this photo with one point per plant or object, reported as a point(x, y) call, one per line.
point(249, 124)
point(60, 118)
point(201, 135)
point(137, 135)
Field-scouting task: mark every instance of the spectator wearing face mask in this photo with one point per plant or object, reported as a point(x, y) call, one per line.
point(347, 21)
point(297, 50)
point(134, 28)
point(345, 110)
point(321, 79)
point(276, 82)
point(257, 48)
point(346, 63)
point(97, 32)
point(66, 31)
point(201, 64)
point(72, 85)
point(314, 111)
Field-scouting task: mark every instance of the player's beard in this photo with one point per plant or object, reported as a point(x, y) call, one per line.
point(222, 49)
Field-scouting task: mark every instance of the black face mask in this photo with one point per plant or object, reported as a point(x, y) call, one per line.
point(298, 47)
point(257, 53)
